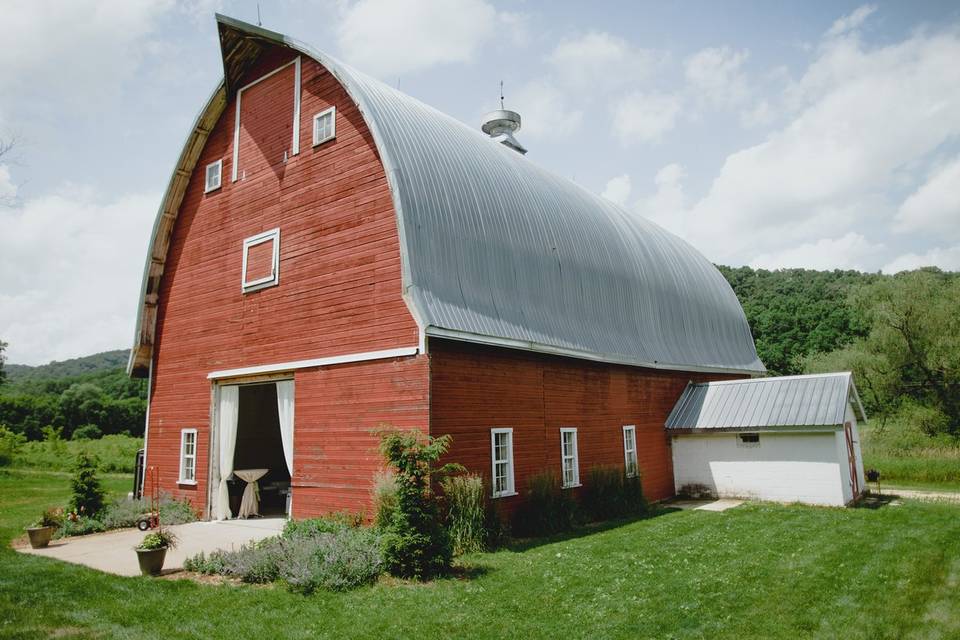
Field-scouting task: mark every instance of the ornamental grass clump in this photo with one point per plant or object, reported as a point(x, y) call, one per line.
point(416, 545)
point(472, 522)
point(611, 494)
point(548, 508)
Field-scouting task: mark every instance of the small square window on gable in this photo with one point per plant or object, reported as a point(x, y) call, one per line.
point(748, 440)
point(325, 126)
point(261, 261)
point(214, 169)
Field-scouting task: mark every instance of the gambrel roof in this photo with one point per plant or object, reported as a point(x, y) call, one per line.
point(818, 400)
point(497, 250)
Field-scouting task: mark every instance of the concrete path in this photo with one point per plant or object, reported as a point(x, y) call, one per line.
point(113, 551)
point(706, 505)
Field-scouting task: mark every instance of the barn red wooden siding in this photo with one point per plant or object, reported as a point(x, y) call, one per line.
point(475, 388)
point(339, 291)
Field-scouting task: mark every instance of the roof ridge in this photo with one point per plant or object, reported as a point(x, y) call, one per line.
point(833, 374)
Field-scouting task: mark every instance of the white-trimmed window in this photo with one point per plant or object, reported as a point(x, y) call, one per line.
point(501, 454)
point(188, 456)
point(261, 261)
point(748, 439)
point(630, 450)
point(212, 182)
point(325, 126)
point(569, 458)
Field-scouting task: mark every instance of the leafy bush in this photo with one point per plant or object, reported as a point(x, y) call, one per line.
point(88, 494)
point(126, 512)
point(314, 527)
point(213, 564)
point(547, 509)
point(384, 499)
point(79, 525)
point(415, 544)
point(87, 432)
point(472, 523)
point(611, 494)
point(10, 444)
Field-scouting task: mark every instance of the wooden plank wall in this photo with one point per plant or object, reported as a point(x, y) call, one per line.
point(475, 388)
point(340, 282)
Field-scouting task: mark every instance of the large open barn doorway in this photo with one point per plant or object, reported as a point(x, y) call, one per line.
point(255, 447)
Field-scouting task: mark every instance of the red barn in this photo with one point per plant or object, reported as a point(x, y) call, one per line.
point(332, 256)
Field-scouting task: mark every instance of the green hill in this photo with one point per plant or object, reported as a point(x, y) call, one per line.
point(96, 363)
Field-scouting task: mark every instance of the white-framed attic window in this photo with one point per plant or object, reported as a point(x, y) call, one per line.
point(569, 458)
point(630, 450)
point(261, 261)
point(325, 126)
point(748, 439)
point(213, 176)
point(501, 455)
point(188, 456)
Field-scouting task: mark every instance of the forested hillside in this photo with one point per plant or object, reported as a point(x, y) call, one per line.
point(96, 363)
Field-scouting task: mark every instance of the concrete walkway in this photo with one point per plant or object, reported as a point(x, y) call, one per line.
point(916, 494)
point(705, 505)
point(113, 551)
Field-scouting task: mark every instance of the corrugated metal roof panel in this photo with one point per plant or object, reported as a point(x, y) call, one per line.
point(812, 400)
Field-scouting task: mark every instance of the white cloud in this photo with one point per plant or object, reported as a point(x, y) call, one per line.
point(947, 258)
point(645, 117)
point(598, 62)
point(761, 114)
point(618, 189)
point(545, 110)
point(666, 206)
point(8, 190)
point(715, 75)
point(850, 251)
point(935, 206)
point(83, 49)
point(864, 113)
point(69, 263)
point(851, 22)
point(391, 37)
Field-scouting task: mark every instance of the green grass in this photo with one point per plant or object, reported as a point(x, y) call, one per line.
point(116, 453)
point(758, 571)
point(907, 458)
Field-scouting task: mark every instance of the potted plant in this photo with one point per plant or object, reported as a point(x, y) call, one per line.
point(42, 530)
point(152, 551)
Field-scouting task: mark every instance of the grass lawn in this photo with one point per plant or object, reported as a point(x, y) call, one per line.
point(758, 571)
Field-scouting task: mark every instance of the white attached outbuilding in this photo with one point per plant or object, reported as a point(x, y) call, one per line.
point(783, 439)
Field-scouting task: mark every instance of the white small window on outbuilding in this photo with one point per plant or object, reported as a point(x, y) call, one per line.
point(188, 456)
point(569, 457)
point(630, 450)
point(261, 261)
point(214, 169)
point(501, 455)
point(325, 126)
point(748, 439)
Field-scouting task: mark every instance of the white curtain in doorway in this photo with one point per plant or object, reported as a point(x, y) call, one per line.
point(285, 411)
point(229, 412)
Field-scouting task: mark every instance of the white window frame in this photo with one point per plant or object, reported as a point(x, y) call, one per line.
point(628, 452)
point(248, 286)
point(332, 111)
point(183, 457)
point(510, 489)
point(575, 456)
point(207, 187)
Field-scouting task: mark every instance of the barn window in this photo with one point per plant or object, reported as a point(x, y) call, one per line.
point(188, 456)
point(748, 439)
point(501, 445)
point(214, 169)
point(325, 126)
point(261, 261)
point(630, 450)
point(570, 462)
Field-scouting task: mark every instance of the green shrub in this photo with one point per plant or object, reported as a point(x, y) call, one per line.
point(79, 525)
point(472, 522)
point(10, 444)
point(384, 499)
point(415, 544)
point(611, 494)
point(125, 512)
point(314, 527)
point(88, 494)
point(87, 432)
point(209, 565)
point(547, 509)
point(116, 453)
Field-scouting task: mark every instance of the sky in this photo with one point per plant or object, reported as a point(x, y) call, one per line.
point(788, 134)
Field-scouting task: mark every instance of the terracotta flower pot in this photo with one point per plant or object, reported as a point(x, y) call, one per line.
point(151, 560)
point(40, 536)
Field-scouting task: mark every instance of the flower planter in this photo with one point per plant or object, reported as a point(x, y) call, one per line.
point(40, 536)
point(151, 560)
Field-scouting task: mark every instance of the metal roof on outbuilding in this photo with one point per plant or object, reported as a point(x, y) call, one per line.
point(788, 401)
point(495, 249)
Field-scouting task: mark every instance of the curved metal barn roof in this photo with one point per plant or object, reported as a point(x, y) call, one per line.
point(498, 250)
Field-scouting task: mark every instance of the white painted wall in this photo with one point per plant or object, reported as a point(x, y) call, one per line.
point(784, 467)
